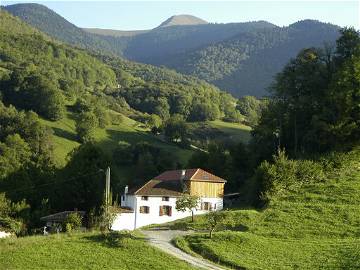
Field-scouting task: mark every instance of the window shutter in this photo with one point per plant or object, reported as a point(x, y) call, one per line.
point(161, 211)
point(170, 211)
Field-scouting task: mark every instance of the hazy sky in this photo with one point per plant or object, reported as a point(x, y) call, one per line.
point(130, 15)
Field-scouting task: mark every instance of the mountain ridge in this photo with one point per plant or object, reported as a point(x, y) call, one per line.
point(241, 58)
point(182, 19)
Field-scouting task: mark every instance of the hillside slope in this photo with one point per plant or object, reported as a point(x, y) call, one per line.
point(85, 251)
point(312, 227)
point(59, 28)
point(246, 64)
point(228, 55)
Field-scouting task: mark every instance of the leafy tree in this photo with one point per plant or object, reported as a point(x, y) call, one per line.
point(85, 170)
point(175, 128)
point(251, 108)
point(14, 154)
point(154, 122)
point(12, 215)
point(86, 124)
point(187, 203)
point(216, 219)
point(203, 111)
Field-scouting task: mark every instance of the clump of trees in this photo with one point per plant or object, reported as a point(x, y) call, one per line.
point(31, 90)
point(314, 105)
point(148, 160)
point(251, 107)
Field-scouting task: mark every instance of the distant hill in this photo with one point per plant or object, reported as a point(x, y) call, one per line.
point(241, 58)
point(246, 63)
point(59, 28)
point(182, 20)
point(114, 33)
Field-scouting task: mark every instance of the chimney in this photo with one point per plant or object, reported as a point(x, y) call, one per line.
point(182, 174)
point(182, 177)
point(126, 190)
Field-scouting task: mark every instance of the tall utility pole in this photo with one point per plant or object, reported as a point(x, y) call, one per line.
point(107, 187)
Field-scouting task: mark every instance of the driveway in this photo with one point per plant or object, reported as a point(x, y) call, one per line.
point(162, 240)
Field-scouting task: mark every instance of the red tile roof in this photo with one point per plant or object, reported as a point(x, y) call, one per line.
point(169, 183)
point(190, 174)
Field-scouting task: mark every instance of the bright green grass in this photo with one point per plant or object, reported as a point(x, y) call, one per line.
point(317, 227)
point(235, 131)
point(84, 251)
point(218, 131)
point(108, 138)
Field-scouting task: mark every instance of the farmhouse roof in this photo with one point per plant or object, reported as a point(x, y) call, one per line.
point(170, 183)
point(61, 216)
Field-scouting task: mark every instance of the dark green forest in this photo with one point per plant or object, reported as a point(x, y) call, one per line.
point(226, 55)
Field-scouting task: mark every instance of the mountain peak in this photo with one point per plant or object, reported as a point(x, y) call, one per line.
point(182, 20)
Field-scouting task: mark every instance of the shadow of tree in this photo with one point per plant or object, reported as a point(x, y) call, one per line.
point(64, 134)
point(113, 239)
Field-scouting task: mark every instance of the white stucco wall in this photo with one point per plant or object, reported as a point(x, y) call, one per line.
point(123, 221)
point(135, 220)
point(4, 234)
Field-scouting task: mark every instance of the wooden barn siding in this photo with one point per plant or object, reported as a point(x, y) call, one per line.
point(206, 189)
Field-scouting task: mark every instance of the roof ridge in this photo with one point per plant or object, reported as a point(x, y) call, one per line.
point(194, 173)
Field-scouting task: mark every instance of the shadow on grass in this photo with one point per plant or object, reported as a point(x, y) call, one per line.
point(113, 239)
point(197, 243)
point(64, 134)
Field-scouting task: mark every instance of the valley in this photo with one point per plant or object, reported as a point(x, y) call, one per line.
point(183, 144)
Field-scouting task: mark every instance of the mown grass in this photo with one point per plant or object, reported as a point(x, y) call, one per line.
point(218, 131)
point(316, 227)
point(84, 251)
point(235, 131)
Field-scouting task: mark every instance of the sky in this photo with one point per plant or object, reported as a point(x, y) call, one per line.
point(147, 14)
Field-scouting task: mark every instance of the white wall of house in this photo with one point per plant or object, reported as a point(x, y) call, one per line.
point(130, 221)
point(4, 234)
point(124, 221)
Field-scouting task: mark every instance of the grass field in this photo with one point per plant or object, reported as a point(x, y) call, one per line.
point(235, 131)
point(315, 228)
point(218, 131)
point(129, 131)
point(84, 251)
point(132, 132)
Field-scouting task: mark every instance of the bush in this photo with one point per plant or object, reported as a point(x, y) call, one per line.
point(72, 222)
point(283, 175)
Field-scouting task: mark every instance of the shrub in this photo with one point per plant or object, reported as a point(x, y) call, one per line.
point(72, 222)
point(283, 175)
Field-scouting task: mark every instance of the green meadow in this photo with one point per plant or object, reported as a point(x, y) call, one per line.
point(84, 251)
point(317, 227)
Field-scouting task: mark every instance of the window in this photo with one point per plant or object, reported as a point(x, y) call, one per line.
point(166, 199)
point(144, 209)
point(205, 206)
point(165, 210)
point(144, 198)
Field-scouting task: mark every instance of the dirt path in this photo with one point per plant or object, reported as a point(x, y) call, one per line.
point(162, 240)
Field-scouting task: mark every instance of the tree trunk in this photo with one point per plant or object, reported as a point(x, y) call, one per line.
point(192, 216)
point(295, 136)
point(211, 232)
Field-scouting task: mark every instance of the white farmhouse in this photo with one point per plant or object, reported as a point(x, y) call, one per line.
point(154, 202)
